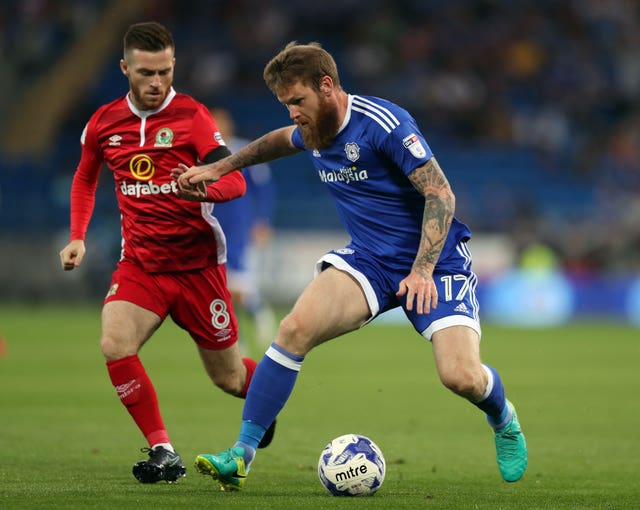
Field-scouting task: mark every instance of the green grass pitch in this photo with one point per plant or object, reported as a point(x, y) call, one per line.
point(66, 442)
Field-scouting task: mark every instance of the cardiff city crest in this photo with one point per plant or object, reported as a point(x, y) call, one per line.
point(352, 151)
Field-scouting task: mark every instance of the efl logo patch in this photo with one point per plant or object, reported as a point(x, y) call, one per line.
point(218, 138)
point(412, 142)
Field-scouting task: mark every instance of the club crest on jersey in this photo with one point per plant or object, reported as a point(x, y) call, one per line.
point(164, 138)
point(352, 151)
point(412, 142)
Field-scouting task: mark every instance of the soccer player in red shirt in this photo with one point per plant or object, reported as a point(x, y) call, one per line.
point(173, 250)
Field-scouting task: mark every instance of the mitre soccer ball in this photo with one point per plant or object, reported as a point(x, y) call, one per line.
point(351, 465)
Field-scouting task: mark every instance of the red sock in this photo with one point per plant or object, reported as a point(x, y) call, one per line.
point(250, 365)
point(138, 395)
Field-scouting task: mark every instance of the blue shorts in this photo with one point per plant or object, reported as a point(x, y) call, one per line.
point(456, 284)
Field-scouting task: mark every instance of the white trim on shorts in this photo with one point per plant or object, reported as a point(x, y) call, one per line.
point(340, 263)
point(451, 320)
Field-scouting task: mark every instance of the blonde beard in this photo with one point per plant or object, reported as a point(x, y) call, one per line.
point(321, 133)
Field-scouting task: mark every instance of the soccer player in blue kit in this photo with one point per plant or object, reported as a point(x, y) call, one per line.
point(407, 249)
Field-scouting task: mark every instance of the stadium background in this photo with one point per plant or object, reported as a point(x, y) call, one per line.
point(531, 108)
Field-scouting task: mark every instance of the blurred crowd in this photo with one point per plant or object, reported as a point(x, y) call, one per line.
point(33, 34)
point(559, 78)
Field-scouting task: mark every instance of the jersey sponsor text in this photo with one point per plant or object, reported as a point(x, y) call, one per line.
point(345, 174)
point(139, 189)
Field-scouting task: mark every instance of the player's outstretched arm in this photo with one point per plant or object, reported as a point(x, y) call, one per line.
point(275, 144)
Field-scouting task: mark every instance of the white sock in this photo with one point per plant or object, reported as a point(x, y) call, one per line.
point(166, 446)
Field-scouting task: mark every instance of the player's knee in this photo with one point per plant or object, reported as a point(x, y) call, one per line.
point(113, 350)
point(462, 382)
point(293, 334)
point(108, 348)
point(229, 384)
point(229, 380)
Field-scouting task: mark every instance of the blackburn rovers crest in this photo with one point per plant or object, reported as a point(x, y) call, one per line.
point(164, 138)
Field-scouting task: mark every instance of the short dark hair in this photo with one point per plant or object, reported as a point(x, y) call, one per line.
point(304, 63)
point(147, 36)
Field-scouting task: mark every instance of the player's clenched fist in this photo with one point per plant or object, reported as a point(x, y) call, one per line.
point(186, 190)
point(71, 255)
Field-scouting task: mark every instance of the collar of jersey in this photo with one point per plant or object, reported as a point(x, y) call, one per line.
point(143, 114)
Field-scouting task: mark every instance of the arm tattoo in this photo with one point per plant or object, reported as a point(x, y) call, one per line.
point(273, 145)
point(439, 207)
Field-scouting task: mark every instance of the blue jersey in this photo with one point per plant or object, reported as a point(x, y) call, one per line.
point(365, 170)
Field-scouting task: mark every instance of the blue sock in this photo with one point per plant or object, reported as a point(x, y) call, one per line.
point(270, 388)
point(493, 402)
point(250, 435)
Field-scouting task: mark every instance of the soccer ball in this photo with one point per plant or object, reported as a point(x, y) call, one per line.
point(351, 465)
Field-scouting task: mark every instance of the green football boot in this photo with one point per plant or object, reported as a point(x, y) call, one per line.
point(511, 449)
point(226, 468)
